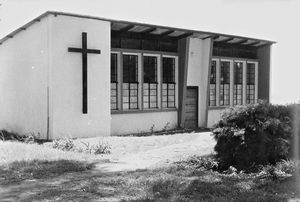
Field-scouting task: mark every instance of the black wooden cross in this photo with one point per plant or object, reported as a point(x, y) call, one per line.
point(84, 52)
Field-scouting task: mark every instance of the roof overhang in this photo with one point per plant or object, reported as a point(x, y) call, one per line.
point(120, 26)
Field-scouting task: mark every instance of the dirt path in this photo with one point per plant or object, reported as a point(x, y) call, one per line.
point(155, 156)
point(128, 154)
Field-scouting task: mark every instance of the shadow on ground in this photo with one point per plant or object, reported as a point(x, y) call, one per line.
point(174, 183)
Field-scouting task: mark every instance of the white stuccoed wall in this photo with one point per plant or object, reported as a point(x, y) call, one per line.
point(214, 115)
point(66, 78)
point(197, 75)
point(127, 123)
point(23, 81)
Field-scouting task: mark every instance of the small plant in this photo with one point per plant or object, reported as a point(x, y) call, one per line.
point(65, 144)
point(101, 148)
point(166, 127)
point(152, 129)
point(206, 162)
point(280, 170)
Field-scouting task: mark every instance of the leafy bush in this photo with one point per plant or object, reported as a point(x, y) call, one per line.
point(254, 134)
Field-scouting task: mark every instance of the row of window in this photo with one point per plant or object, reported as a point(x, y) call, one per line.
point(142, 81)
point(233, 82)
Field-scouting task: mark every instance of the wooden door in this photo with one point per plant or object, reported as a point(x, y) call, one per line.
point(191, 107)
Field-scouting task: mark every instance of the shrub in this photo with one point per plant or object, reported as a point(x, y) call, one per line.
point(100, 148)
point(254, 134)
point(65, 143)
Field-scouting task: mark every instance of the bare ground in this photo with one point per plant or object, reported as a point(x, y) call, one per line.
point(106, 181)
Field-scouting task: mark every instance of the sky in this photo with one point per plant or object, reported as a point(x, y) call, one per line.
point(276, 20)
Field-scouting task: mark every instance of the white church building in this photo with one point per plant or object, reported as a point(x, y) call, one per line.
point(66, 74)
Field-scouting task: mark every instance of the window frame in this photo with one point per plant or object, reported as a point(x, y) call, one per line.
point(139, 81)
point(232, 61)
point(175, 81)
point(158, 80)
point(230, 82)
point(216, 81)
point(140, 55)
point(255, 80)
point(243, 80)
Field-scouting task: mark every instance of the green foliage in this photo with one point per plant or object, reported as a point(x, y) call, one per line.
point(254, 134)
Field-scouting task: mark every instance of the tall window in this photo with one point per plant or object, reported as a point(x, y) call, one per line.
point(130, 82)
point(212, 86)
point(225, 83)
point(114, 81)
point(150, 82)
point(168, 85)
point(250, 89)
point(238, 84)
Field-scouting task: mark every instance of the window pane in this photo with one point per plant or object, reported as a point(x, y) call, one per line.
point(130, 68)
point(168, 96)
point(250, 73)
point(130, 96)
point(212, 87)
point(150, 69)
point(168, 70)
point(238, 83)
point(113, 67)
point(113, 96)
point(213, 72)
point(150, 95)
point(225, 83)
point(250, 89)
point(225, 72)
point(238, 72)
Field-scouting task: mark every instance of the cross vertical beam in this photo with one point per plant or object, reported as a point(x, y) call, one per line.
point(84, 51)
point(84, 74)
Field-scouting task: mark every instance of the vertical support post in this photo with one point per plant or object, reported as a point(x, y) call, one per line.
point(183, 45)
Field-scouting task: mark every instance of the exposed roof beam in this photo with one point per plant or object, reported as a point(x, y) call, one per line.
point(185, 35)
point(166, 33)
point(216, 37)
point(210, 36)
point(253, 43)
point(242, 41)
point(126, 28)
point(226, 40)
point(150, 29)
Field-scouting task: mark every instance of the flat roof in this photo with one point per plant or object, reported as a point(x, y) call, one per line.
point(158, 30)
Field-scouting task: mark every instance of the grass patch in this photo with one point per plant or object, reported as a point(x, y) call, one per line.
point(37, 169)
point(178, 182)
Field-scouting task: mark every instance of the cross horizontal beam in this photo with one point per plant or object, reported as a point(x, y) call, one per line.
point(80, 50)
